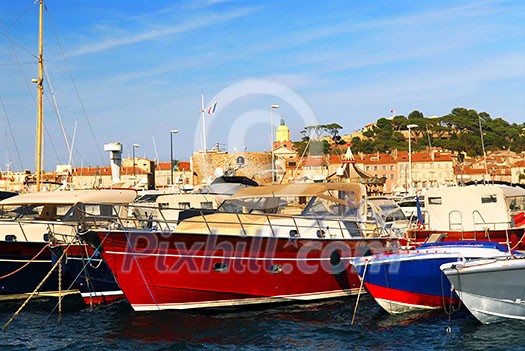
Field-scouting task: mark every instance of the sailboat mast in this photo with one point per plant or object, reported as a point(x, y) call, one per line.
point(40, 81)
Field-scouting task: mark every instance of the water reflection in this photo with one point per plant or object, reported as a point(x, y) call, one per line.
point(315, 326)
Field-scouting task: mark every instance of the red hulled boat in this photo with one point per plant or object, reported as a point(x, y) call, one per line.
point(268, 244)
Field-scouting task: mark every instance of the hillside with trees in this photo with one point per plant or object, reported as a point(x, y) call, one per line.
point(459, 132)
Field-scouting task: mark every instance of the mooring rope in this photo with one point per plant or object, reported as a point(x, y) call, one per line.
point(359, 293)
point(449, 308)
point(36, 290)
point(517, 244)
point(79, 274)
point(59, 290)
point(26, 264)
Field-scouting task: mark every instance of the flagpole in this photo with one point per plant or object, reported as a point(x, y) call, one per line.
point(203, 124)
point(204, 140)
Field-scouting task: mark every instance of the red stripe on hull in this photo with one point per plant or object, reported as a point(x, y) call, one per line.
point(97, 300)
point(407, 297)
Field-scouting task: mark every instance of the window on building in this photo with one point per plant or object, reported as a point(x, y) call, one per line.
point(383, 168)
point(207, 204)
point(391, 167)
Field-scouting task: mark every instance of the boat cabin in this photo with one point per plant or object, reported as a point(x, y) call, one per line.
point(474, 207)
point(22, 217)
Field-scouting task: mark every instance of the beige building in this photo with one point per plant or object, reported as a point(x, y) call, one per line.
point(207, 165)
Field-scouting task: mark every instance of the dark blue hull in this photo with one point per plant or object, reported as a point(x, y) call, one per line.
point(23, 266)
point(92, 275)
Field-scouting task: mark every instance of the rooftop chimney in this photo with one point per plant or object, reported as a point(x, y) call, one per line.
point(115, 158)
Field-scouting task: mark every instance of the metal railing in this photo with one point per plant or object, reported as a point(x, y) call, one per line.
point(276, 225)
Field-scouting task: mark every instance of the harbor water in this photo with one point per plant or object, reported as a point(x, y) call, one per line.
point(315, 326)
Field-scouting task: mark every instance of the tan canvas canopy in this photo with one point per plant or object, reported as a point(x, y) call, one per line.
point(306, 189)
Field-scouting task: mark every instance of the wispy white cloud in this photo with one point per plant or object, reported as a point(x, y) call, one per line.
point(159, 31)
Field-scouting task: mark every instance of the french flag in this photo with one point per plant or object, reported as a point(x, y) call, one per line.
point(393, 110)
point(211, 109)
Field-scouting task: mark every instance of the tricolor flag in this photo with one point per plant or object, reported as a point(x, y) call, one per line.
point(420, 219)
point(393, 110)
point(211, 109)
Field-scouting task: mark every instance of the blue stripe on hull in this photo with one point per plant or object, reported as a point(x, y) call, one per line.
point(418, 276)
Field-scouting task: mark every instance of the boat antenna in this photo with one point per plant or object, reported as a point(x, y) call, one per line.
point(72, 143)
point(483, 148)
point(156, 152)
point(428, 137)
point(57, 111)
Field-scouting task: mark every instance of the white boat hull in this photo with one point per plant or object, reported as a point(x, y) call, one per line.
point(493, 290)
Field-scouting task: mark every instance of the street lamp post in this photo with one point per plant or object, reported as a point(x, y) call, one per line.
point(173, 131)
point(272, 107)
point(134, 173)
point(410, 126)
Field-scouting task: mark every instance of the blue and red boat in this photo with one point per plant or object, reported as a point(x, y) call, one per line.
point(411, 280)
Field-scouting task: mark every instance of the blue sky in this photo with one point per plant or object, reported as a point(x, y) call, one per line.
point(131, 71)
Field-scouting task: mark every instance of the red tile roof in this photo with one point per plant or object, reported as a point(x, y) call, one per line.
point(165, 166)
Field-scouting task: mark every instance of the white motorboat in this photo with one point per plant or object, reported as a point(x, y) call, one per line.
point(492, 289)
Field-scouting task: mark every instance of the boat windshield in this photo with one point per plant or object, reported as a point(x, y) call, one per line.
point(394, 214)
point(516, 203)
point(389, 210)
point(57, 212)
point(34, 212)
point(270, 205)
point(342, 204)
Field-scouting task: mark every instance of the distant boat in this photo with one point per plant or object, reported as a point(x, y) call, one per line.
point(492, 289)
point(480, 213)
point(30, 223)
point(412, 280)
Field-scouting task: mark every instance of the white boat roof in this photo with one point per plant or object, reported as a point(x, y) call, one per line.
point(460, 192)
point(299, 189)
point(105, 196)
